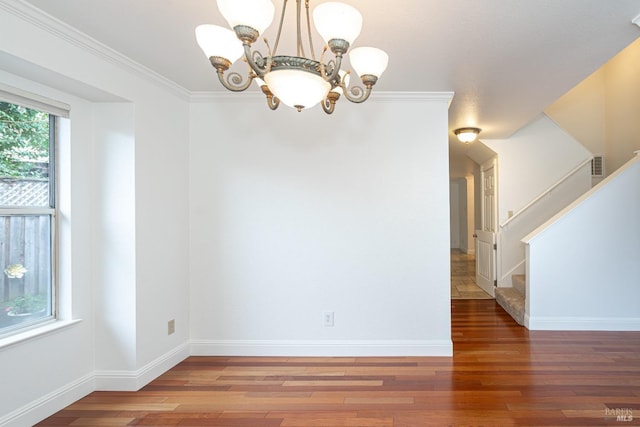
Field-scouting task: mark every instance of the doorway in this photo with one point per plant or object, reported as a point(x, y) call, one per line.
point(463, 277)
point(462, 220)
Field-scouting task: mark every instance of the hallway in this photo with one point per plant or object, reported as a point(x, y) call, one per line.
point(463, 277)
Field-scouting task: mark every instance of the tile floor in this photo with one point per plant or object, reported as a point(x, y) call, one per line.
point(463, 277)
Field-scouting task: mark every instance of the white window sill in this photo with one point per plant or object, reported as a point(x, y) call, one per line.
point(36, 331)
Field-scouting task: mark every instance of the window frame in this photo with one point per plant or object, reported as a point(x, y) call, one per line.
point(52, 211)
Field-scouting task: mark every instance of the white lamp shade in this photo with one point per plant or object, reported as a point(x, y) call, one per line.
point(257, 14)
point(467, 135)
point(218, 41)
point(369, 60)
point(335, 20)
point(297, 88)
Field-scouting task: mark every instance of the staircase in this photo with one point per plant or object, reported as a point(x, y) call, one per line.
point(513, 299)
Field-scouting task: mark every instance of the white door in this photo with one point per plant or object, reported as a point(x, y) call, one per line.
point(486, 236)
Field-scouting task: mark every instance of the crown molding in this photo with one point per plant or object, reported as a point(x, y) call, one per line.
point(446, 96)
point(205, 96)
point(67, 33)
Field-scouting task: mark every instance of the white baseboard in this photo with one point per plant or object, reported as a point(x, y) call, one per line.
point(582, 324)
point(135, 380)
point(49, 404)
point(321, 348)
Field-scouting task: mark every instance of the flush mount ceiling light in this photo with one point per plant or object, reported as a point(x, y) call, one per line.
point(297, 81)
point(467, 135)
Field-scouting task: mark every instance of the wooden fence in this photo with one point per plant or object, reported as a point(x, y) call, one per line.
point(25, 240)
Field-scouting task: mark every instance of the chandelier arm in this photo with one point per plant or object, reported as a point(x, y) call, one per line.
point(336, 68)
point(273, 102)
point(356, 94)
point(328, 106)
point(255, 67)
point(322, 66)
point(329, 103)
point(233, 81)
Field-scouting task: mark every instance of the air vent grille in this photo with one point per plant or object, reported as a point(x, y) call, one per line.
point(597, 166)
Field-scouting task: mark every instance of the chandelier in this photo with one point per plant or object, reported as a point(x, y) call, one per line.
point(296, 81)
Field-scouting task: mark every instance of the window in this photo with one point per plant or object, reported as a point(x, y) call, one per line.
point(27, 216)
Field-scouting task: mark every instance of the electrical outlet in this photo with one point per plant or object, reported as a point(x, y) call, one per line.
point(171, 326)
point(327, 318)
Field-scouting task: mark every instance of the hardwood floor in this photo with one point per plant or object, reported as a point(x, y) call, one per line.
point(501, 374)
point(463, 277)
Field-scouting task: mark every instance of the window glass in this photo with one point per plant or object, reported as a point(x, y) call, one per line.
point(27, 216)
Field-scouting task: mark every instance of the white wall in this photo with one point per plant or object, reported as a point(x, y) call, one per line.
point(582, 268)
point(150, 127)
point(293, 214)
point(581, 112)
point(454, 213)
point(601, 111)
point(461, 216)
point(531, 161)
point(622, 106)
point(162, 228)
point(477, 195)
point(467, 216)
point(115, 261)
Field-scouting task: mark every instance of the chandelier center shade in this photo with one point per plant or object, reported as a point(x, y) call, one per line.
point(297, 81)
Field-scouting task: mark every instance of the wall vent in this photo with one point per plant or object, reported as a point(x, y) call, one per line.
point(597, 167)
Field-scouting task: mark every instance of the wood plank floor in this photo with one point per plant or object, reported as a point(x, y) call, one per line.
point(501, 375)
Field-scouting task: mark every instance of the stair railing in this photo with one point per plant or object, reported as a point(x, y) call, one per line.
point(546, 192)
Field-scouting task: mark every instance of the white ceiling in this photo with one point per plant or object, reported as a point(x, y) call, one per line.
point(506, 60)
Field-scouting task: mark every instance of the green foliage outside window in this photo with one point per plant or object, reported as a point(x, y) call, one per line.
point(24, 142)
